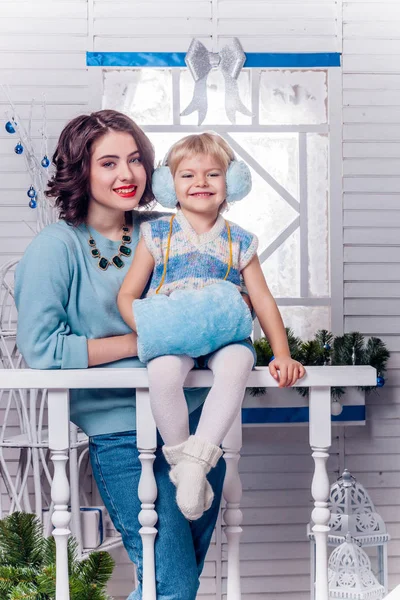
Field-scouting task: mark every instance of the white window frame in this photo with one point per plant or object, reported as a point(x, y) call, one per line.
point(333, 128)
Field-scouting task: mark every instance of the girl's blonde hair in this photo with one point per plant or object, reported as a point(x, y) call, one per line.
point(202, 143)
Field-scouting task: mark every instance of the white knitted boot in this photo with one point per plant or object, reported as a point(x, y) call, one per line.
point(194, 494)
point(173, 455)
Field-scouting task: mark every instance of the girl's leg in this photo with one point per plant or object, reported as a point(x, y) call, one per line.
point(167, 375)
point(231, 367)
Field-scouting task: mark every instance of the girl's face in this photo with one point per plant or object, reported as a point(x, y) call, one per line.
point(200, 184)
point(117, 174)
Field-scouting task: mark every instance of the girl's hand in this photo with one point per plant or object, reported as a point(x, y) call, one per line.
point(289, 370)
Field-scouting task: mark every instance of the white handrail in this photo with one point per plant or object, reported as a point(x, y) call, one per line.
point(59, 382)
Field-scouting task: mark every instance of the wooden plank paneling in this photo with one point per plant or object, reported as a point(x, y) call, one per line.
point(372, 254)
point(371, 218)
point(153, 26)
point(371, 170)
point(366, 64)
point(43, 26)
point(43, 10)
point(137, 11)
point(371, 235)
point(371, 114)
point(35, 43)
point(372, 307)
point(272, 11)
point(371, 150)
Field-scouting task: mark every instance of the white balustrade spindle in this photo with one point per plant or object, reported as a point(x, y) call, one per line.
point(233, 517)
point(58, 407)
point(147, 445)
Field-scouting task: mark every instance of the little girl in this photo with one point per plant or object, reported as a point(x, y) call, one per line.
point(190, 250)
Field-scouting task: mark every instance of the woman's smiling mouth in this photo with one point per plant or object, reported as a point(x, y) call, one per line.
point(126, 191)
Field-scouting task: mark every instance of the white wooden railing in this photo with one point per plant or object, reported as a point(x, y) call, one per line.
point(58, 383)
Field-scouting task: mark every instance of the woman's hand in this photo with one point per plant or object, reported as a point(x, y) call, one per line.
point(289, 370)
point(130, 342)
point(105, 350)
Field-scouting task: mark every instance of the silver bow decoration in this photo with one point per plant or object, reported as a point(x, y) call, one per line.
point(200, 62)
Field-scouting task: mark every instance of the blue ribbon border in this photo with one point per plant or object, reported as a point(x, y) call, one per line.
point(177, 59)
point(297, 414)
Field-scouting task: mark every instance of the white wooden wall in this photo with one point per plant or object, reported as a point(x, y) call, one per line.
point(371, 182)
point(42, 49)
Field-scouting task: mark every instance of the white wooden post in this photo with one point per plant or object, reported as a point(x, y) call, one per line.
point(233, 517)
point(320, 442)
point(58, 416)
point(33, 394)
point(74, 482)
point(147, 445)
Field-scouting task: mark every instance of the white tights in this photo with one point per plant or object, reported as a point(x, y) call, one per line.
point(230, 366)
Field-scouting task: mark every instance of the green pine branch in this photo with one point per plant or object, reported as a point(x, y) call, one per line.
point(28, 564)
point(21, 540)
point(325, 349)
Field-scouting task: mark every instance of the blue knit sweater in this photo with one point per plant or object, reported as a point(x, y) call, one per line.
point(64, 299)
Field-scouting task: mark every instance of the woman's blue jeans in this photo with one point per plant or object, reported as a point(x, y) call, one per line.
point(180, 545)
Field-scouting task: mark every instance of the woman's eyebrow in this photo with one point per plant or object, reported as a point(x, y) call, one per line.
point(116, 155)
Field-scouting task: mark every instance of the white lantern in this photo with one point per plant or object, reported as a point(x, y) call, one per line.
point(350, 574)
point(353, 513)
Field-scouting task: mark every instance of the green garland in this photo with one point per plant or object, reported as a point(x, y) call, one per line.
point(326, 349)
point(28, 564)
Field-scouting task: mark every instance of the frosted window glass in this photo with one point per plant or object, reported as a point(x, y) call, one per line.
point(306, 320)
point(318, 232)
point(282, 268)
point(216, 98)
point(293, 97)
point(143, 94)
point(277, 153)
point(286, 98)
point(162, 142)
point(263, 212)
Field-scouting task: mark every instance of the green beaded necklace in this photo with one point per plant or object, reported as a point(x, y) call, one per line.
point(103, 262)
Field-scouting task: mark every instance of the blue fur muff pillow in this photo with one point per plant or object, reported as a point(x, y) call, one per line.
point(191, 322)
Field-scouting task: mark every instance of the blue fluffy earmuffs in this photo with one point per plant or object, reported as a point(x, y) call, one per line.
point(238, 184)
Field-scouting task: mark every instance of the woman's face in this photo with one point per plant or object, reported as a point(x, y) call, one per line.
point(117, 174)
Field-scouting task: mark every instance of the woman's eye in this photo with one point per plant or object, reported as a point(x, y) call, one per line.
point(136, 160)
point(108, 164)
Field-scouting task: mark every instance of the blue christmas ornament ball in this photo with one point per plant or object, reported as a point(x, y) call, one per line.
point(327, 347)
point(19, 148)
point(32, 204)
point(380, 381)
point(31, 193)
point(45, 162)
point(10, 127)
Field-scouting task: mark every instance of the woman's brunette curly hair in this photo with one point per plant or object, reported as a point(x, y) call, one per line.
point(70, 184)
